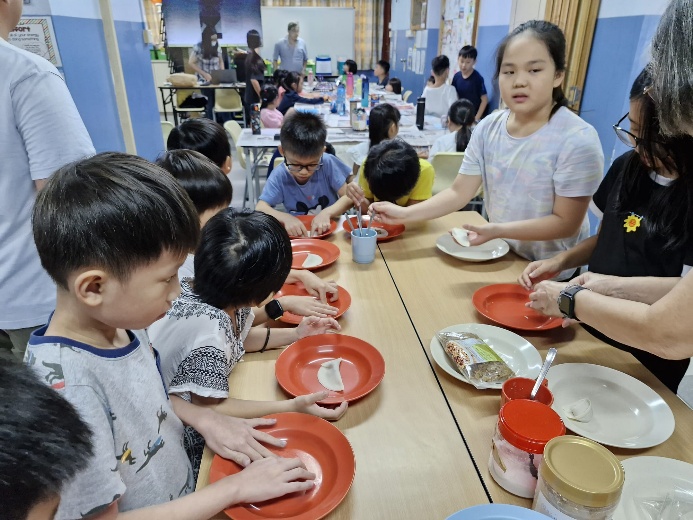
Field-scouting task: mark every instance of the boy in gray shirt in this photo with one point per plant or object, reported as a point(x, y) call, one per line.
point(112, 231)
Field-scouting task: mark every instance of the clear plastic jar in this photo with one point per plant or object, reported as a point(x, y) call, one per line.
point(524, 427)
point(579, 479)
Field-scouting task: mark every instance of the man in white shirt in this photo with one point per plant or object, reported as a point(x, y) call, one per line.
point(40, 131)
point(292, 50)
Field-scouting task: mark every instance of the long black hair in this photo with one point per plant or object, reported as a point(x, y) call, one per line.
point(668, 210)
point(268, 94)
point(462, 113)
point(381, 119)
point(254, 62)
point(551, 36)
point(290, 79)
point(209, 51)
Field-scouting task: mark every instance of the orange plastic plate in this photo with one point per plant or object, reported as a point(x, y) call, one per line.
point(343, 301)
point(308, 221)
point(385, 231)
point(504, 304)
point(301, 247)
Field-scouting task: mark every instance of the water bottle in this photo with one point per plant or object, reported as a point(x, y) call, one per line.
point(341, 100)
point(357, 88)
point(350, 85)
point(365, 97)
point(255, 124)
point(420, 111)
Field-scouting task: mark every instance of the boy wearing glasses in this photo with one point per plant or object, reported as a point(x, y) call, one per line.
point(309, 182)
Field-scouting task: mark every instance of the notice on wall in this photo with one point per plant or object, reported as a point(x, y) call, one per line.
point(36, 35)
point(458, 28)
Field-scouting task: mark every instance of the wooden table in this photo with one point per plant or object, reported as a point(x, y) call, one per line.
point(411, 460)
point(436, 290)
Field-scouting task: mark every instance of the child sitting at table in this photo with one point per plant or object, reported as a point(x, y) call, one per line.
point(242, 261)
point(139, 225)
point(210, 191)
point(37, 463)
point(269, 115)
point(205, 136)
point(294, 87)
point(392, 172)
point(383, 124)
point(278, 79)
point(309, 181)
point(440, 95)
point(394, 86)
point(350, 67)
point(460, 122)
point(382, 73)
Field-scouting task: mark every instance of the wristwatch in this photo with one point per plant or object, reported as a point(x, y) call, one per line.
point(274, 309)
point(566, 300)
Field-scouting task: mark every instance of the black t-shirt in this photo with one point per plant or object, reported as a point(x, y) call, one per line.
point(624, 249)
point(471, 88)
point(253, 70)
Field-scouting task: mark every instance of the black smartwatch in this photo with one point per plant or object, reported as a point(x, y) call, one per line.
point(274, 309)
point(566, 301)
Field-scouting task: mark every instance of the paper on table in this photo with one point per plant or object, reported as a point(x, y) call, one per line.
point(269, 131)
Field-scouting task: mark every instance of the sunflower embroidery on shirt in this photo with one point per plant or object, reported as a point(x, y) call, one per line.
point(632, 222)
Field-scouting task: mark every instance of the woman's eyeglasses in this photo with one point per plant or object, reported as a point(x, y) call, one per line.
point(627, 138)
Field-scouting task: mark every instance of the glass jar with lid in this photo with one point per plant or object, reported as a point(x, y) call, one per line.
point(579, 479)
point(524, 427)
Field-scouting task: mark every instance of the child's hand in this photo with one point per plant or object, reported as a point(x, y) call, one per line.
point(321, 224)
point(308, 404)
point(387, 212)
point(480, 234)
point(355, 193)
point(538, 271)
point(237, 439)
point(269, 478)
point(294, 227)
point(312, 326)
point(319, 288)
point(307, 306)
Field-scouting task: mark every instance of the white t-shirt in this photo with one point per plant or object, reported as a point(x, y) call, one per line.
point(40, 131)
point(521, 176)
point(445, 143)
point(187, 270)
point(359, 152)
point(439, 99)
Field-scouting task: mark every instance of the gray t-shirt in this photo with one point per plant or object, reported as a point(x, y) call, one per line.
point(139, 459)
point(293, 56)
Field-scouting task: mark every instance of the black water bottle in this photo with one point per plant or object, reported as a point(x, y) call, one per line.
point(420, 109)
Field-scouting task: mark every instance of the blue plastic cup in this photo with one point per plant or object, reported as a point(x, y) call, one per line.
point(363, 244)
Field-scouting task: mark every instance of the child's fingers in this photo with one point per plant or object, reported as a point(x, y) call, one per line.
point(267, 439)
point(299, 474)
point(254, 423)
point(239, 458)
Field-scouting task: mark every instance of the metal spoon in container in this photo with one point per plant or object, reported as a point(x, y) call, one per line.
point(550, 355)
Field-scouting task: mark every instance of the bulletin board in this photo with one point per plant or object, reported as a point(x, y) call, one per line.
point(458, 28)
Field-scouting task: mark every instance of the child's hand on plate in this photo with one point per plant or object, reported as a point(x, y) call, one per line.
point(312, 326)
point(480, 234)
point(387, 212)
point(538, 271)
point(308, 404)
point(268, 478)
point(307, 306)
point(320, 288)
point(294, 227)
point(321, 224)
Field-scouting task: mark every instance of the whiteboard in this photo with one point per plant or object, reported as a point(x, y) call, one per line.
point(326, 30)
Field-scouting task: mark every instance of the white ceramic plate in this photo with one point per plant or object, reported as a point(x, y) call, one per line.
point(651, 477)
point(497, 512)
point(626, 412)
point(489, 251)
point(516, 351)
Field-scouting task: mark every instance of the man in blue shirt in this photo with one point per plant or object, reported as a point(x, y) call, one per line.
point(292, 50)
point(469, 83)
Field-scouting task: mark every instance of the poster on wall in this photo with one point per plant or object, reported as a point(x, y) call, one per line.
point(35, 34)
point(231, 19)
point(458, 29)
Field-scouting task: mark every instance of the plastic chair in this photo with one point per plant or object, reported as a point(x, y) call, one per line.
point(181, 95)
point(234, 130)
point(405, 96)
point(228, 100)
point(166, 127)
point(447, 166)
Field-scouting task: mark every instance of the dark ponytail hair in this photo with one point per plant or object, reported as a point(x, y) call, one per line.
point(462, 113)
point(551, 36)
point(668, 211)
point(290, 79)
point(381, 118)
point(268, 94)
point(254, 62)
point(396, 85)
point(209, 51)
point(279, 76)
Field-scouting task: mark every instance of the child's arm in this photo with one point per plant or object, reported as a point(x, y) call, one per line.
point(262, 480)
point(293, 226)
point(314, 284)
point(565, 221)
point(321, 222)
point(482, 107)
point(279, 337)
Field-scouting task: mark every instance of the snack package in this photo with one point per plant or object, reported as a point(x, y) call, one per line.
point(475, 360)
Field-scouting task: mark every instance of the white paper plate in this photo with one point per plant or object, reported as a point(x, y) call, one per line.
point(516, 351)
point(490, 250)
point(626, 412)
point(497, 512)
point(651, 477)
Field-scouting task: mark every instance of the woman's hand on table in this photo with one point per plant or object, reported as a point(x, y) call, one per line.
point(294, 227)
point(481, 234)
point(312, 326)
point(206, 76)
point(387, 212)
point(307, 306)
point(318, 287)
point(237, 439)
point(599, 283)
point(269, 478)
point(545, 299)
point(538, 271)
point(308, 404)
point(321, 224)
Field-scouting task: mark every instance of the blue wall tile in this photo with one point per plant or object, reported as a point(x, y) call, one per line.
point(487, 39)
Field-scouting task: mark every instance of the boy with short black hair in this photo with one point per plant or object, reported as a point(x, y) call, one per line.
point(440, 95)
point(393, 172)
point(468, 83)
point(44, 444)
point(382, 73)
point(112, 231)
point(205, 136)
point(309, 181)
